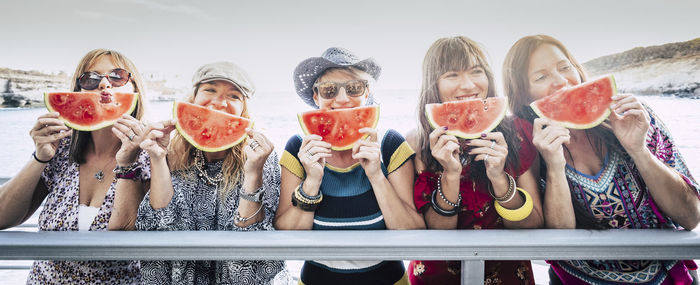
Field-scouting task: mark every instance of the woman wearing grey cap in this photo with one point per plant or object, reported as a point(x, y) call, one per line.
point(231, 190)
point(368, 187)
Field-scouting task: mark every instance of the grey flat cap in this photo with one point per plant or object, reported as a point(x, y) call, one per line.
point(226, 71)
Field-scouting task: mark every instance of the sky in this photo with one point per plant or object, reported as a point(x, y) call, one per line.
point(171, 38)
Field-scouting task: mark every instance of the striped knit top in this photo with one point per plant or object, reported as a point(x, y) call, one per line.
point(349, 204)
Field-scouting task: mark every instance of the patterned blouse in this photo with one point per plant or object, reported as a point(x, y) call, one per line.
point(196, 206)
point(60, 213)
point(618, 195)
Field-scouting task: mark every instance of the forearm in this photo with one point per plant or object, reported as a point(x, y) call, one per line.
point(398, 215)
point(161, 192)
point(127, 198)
point(16, 195)
point(558, 210)
point(450, 188)
point(534, 219)
point(290, 217)
point(670, 191)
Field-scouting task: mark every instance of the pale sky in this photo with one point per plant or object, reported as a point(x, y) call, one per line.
point(269, 38)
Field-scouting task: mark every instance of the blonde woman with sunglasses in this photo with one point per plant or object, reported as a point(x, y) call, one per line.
point(73, 173)
point(368, 187)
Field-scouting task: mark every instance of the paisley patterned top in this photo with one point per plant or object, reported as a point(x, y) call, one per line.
point(477, 212)
point(196, 206)
point(60, 213)
point(617, 194)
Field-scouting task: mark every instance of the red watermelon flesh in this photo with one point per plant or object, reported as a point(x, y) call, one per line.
point(339, 127)
point(209, 130)
point(467, 119)
point(89, 111)
point(581, 107)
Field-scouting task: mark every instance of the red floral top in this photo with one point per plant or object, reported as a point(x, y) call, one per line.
point(477, 212)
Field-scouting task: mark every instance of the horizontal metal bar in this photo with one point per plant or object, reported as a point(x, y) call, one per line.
point(15, 267)
point(353, 245)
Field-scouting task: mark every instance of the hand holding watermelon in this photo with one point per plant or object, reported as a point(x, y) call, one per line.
point(493, 150)
point(257, 151)
point(368, 153)
point(131, 132)
point(445, 149)
point(549, 137)
point(630, 122)
point(46, 133)
point(158, 138)
point(312, 155)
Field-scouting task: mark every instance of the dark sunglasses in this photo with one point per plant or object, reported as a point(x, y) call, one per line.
point(91, 80)
point(328, 89)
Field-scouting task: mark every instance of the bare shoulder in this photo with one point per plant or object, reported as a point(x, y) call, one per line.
point(413, 140)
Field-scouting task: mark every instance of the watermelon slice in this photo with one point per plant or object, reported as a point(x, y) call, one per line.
point(581, 107)
point(467, 119)
point(207, 129)
point(340, 127)
point(89, 111)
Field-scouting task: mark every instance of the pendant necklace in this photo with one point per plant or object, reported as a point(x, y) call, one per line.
point(99, 175)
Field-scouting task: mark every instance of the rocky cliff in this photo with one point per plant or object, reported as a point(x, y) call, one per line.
point(671, 69)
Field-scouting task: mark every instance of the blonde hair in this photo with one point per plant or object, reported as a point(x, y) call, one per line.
point(80, 139)
point(181, 154)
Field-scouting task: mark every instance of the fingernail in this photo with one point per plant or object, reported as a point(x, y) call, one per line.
point(483, 135)
point(445, 128)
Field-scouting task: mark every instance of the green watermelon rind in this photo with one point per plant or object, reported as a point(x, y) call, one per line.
point(87, 128)
point(345, 147)
point(593, 124)
point(197, 145)
point(460, 134)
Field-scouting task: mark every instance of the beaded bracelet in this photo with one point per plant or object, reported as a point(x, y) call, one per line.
point(518, 214)
point(39, 160)
point(238, 219)
point(305, 202)
point(442, 195)
point(131, 172)
point(441, 211)
point(510, 194)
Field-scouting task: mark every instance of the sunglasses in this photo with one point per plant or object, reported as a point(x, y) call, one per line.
point(328, 89)
point(91, 80)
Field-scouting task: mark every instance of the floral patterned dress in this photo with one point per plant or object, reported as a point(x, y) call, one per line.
point(477, 213)
point(60, 213)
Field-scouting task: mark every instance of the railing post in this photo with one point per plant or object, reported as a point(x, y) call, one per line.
point(472, 272)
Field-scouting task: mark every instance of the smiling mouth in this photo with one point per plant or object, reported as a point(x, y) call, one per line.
point(468, 96)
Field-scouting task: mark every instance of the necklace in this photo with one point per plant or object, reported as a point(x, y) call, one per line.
point(99, 175)
point(199, 165)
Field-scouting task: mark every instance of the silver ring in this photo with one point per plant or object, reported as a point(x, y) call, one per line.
point(131, 136)
point(493, 143)
point(254, 144)
point(486, 157)
point(309, 153)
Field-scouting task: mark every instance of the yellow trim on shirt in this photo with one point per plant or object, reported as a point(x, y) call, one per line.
point(400, 155)
point(290, 162)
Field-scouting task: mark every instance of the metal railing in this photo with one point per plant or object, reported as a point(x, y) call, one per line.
point(470, 246)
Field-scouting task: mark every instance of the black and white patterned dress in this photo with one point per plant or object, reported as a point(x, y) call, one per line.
point(196, 206)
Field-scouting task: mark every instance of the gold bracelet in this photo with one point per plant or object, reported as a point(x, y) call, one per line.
point(518, 214)
point(300, 197)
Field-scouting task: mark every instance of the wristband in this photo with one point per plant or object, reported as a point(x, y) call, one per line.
point(39, 160)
